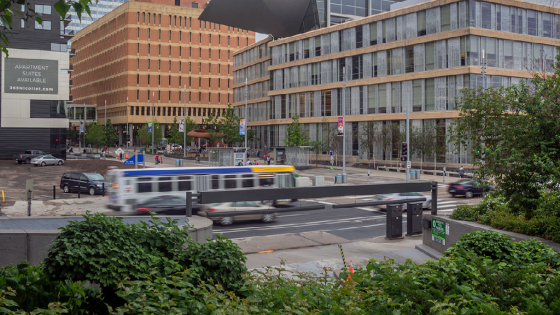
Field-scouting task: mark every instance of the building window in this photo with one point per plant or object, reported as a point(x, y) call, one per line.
point(169, 50)
point(148, 64)
point(22, 23)
point(199, 53)
point(195, 5)
point(159, 64)
point(137, 63)
point(148, 79)
point(180, 52)
point(137, 79)
point(137, 98)
point(159, 19)
point(170, 35)
point(190, 66)
point(219, 39)
point(190, 52)
point(180, 65)
point(237, 41)
point(421, 23)
point(159, 49)
point(200, 38)
point(159, 34)
point(149, 33)
point(154, 18)
point(45, 26)
point(137, 48)
point(159, 80)
point(149, 48)
point(174, 20)
point(190, 22)
point(169, 65)
point(143, 17)
point(180, 36)
point(138, 17)
point(170, 20)
point(149, 17)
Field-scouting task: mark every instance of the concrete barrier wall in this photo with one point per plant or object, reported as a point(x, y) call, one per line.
point(458, 228)
point(33, 245)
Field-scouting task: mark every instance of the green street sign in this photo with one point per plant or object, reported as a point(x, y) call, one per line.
point(439, 229)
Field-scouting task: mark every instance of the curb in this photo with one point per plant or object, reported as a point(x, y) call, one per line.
point(429, 251)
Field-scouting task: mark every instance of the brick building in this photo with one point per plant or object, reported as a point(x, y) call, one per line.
point(155, 53)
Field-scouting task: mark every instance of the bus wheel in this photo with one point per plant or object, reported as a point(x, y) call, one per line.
point(226, 221)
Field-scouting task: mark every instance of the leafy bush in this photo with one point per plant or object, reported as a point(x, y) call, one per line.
point(26, 288)
point(220, 260)
point(497, 246)
point(104, 250)
point(465, 213)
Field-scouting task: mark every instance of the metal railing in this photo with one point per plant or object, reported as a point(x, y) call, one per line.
point(207, 197)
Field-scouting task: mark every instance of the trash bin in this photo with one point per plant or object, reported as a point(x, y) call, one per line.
point(418, 174)
point(179, 163)
point(412, 174)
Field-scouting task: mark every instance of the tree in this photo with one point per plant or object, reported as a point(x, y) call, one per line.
point(422, 141)
point(225, 127)
point(174, 135)
point(10, 10)
point(146, 137)
point(95, 134)
point(251, 135)
point(367, 139)
point(514, 133)
point(111, 135)
point(296, 136)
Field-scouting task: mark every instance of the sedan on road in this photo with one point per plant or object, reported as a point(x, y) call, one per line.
point(237, 211)
point(45, 160)
point(467, 188)
point(170, 205)
point(406, 196)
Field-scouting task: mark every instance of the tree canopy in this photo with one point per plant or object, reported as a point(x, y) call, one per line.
point(95, 134)
point(11, 10)
point(224, 127)
point(111, 135)
point(146, 137)
point(514, 133)
point(295, 134)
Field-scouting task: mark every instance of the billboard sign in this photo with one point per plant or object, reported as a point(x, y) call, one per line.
point(30, 76)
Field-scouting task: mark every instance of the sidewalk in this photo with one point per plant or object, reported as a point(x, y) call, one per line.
point(314, 259)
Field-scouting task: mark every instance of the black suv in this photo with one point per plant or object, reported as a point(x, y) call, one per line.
point(91, 183)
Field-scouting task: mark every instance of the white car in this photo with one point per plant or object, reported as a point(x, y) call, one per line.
point(405, 196)
point(238, 208)
point(45, 160)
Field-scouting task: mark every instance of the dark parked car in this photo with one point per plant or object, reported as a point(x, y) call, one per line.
point(170, 205)
point(467, 188)
point(91, 183)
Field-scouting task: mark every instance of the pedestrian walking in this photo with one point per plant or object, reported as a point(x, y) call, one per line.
point(256, 163)
point(157, 159)
point(120, 156)
point(104, 155)
point(258, 154)
point(197, 157)
point(240, 163)
point(461, 172)
point(268, 159)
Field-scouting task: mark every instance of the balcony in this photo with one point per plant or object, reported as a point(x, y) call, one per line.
point(72, 52)
point(70, 83)
point(67, 33)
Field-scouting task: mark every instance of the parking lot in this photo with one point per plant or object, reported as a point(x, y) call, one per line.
point(13, 177)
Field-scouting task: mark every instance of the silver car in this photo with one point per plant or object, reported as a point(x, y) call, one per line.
point(404, 197)
point(45, 160)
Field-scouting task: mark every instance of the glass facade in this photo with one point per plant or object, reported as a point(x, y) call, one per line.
point(98, 10)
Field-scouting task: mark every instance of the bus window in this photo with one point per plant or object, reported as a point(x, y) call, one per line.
point(215, 182)
point(285, 180)
point(185, 183)
point(266, 181)
point(142, 186)
point(230, 182)
point(164, 184)
point(248, 181)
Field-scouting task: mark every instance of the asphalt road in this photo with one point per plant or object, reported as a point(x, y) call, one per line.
point(349, 223)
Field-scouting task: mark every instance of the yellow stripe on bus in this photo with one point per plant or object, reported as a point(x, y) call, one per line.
point(257, 169)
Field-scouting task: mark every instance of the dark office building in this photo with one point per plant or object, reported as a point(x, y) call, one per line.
point(35, 84)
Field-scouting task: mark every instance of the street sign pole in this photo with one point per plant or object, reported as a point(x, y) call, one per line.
point(126, 137)
point(245, 122)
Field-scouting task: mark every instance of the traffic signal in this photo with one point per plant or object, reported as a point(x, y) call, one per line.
point(404, 151)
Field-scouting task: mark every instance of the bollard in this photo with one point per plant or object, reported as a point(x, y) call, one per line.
point(103, 189)
point(3, 198)
point(79, 189)
point(54, 192)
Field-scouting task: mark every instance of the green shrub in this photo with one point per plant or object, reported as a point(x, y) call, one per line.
point(465, 213)
point(27, 288)
point(220, 260)
point(104, 250)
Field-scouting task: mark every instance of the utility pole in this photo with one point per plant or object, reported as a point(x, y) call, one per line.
point(245, 122)
point(80, 134)
point(126, 138)
point(344, 125)
point(153, 118)
point(185, 125)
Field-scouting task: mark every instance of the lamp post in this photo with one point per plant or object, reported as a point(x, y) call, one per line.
point(483, 66)
point(245, 124)
point(153, 118)
point(408, 140)
point(184, 125)
point(344, 125)
point(126, 138)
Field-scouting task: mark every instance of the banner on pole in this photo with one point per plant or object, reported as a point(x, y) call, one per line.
point(242, 127)
point(150, 127)
point(340, 126)
point(182, 125)
point(81, 127)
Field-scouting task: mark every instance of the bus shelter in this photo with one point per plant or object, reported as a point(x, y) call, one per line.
point(218, 156)
point(298, 157)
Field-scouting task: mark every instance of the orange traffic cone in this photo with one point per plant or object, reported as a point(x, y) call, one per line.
point(350, 269)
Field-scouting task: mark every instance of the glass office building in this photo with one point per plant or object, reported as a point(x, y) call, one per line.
point(417, 58)
point(98, 10)
point(332, 12)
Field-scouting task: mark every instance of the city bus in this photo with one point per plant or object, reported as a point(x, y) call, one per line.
point(130, 187)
